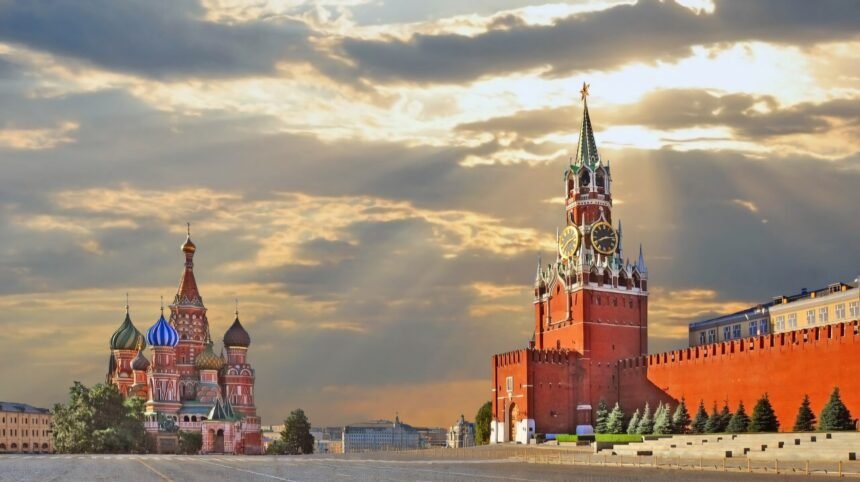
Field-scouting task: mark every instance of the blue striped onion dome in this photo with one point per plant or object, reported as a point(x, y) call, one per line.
point(126, 337)
point(162, 334)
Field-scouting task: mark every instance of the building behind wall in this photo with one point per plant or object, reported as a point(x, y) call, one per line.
point(461, 434)
point(380, 435)
point(25, 429)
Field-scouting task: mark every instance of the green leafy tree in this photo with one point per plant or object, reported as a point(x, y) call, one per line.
point(805, 421)
point(646, 423)
point(681, 418)
point(99, 420)
point(740, 421)
point(297, 436)
point(701, 419)
point(763, 417)
point(482, 423)
point(190, 442)
point(633, 425)
point(835, 415)
point(663, 420)
point(601, 417)
point(714, 421)
point(615, 420)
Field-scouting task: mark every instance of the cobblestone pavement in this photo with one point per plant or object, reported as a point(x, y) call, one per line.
point(266, 468)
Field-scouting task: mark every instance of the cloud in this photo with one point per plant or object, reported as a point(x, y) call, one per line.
point(154, 40)
point(645, 32)
point(37, 139)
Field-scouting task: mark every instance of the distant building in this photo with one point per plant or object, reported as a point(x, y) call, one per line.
point(461, 434)
point(25, 429)
point(327, 440)
point(379, 435)
point(752, 321)
point(432, 437)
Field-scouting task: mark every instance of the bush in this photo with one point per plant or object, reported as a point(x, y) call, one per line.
point(601, 417)
point(681, 418)
point(615, 421)
point(566, 438)
point(190, 442)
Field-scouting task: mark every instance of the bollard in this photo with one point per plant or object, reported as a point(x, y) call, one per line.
point(776, 465)
point(840, 468)
point(749, 465)
point(807, 467)
point(724, 464)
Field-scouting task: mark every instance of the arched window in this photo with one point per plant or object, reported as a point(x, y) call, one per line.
point(622, 279)
point(185, 419)
point(607, 277)
point(600, 179)
point(194, 418)
point(636, 280)
point(584, 178)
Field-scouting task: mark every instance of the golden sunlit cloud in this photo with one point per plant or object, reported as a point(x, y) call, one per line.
point(37, 139)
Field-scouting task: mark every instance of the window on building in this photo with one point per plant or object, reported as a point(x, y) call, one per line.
point(736, 331)
point(701, 337)
point(840, 311)
point(792, 321)
point(780, 322)
point(854, 309)
point(823, 313)
point(509, 383)
point(712, 336)
point(727, 333)
point(753, 330)
point(810, 317)
point(762, 327)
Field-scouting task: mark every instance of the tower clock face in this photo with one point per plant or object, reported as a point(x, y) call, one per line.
point(568, 241)
point(604, 239)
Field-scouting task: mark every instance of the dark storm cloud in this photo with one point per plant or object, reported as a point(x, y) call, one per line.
point(152, 39)
point(685, 108)
point(646, 32)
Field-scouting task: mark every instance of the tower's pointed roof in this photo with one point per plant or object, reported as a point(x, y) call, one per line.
point(222, 410)
point(640, 263)
point(188, 292)
point(586, 152)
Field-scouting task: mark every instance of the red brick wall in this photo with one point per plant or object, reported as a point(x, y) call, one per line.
point(786, 366)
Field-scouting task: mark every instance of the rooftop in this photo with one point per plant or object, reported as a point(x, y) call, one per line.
point(21, 407)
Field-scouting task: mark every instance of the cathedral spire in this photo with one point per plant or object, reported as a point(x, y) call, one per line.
point(187, 292)
point(586, 152)
point(640, 263)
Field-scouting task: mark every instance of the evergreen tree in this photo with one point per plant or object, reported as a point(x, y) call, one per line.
point(663, 420)
point(805, 421)
point(615, 420)
point(714, 421)
point(763, 417)
point(601, 417)
point(646, 423)
point(701, 418)
point(482, 424)
point(725, 417)
point(835, 415)
point(98, 420)
point(681, 418)
point(296, 437)
point(740, 421)
point(634, 423)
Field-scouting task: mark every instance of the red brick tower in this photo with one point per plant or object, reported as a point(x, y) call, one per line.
point(591, 309)
point(188, 316)
point(237, 374)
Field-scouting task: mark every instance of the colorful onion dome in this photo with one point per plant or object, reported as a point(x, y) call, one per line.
point(126, 337)
point(161, 333)
point(236, 335)
point(208, 360)
point(140, 362)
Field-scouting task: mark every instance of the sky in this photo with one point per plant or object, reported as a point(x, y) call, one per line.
point(374, 179)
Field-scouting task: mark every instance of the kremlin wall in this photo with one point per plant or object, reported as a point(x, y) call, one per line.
point(591, 334)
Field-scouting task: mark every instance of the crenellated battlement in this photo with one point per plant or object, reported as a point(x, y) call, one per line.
point(802, 339)
point(534, 355)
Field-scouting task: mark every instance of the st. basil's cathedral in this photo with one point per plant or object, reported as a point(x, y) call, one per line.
point(186, 385)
